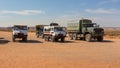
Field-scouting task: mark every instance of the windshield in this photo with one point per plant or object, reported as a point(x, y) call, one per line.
point(20, 28)
point(88, 25)
point(41, 29)
point(58, 29)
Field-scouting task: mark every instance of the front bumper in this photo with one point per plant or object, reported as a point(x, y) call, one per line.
point(20, 36)
point(60, 36)
point(97, 35)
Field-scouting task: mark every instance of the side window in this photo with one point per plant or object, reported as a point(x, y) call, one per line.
point(46, 29)
point(15, 28)
point(52, 29)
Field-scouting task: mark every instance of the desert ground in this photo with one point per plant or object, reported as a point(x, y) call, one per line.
point(37, 53)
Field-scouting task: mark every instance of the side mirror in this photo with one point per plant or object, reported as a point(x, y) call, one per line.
point(98, 25)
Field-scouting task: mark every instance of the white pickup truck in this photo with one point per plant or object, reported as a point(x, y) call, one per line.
point(19, 31)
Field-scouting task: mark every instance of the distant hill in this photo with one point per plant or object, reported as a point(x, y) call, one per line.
point(10, 28)
point(111, 28)
point(5, 28)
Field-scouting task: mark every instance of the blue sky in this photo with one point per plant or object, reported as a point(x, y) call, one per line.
point(33, 12)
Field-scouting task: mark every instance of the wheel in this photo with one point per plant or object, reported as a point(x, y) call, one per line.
point(24, 39)
point(88, 37)
point(71, 36)
point(37, 36)
point(46, 38)
point(56, 39)
point(100, 38)
point(13, 39)
point(42, 36)
point(62, 39)
point(75, 36)
point(53, 39)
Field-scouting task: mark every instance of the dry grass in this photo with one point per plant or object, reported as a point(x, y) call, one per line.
point(114, 34)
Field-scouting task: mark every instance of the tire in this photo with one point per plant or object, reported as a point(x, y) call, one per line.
point(46, 38)
point(24, 39)
point(71, 36)
point(100, 38)
point(13, 39)
point(37, 36)
point(62, 39)
point(56, 39)
point(42, 36)
point(88, 37)
point(74, 36)
point(53, 39)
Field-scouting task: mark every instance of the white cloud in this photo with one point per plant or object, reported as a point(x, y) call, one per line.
point(109, 21)
point(103, 20)
point(103, 11)
point(5, 17)
point(24, 12)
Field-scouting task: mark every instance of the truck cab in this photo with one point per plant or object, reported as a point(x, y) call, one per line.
point(54, 33)
point(91, 29)
point(19, 31)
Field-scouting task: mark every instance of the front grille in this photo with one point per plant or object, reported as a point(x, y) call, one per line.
point(60, 34)
point(98, 31)
point(20, 34)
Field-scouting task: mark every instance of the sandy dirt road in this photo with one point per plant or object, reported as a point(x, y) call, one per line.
point(37, 53)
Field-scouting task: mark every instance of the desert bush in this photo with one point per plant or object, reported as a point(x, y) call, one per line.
point(113, 32)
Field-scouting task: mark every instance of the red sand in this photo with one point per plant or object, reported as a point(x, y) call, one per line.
point(37, 53)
